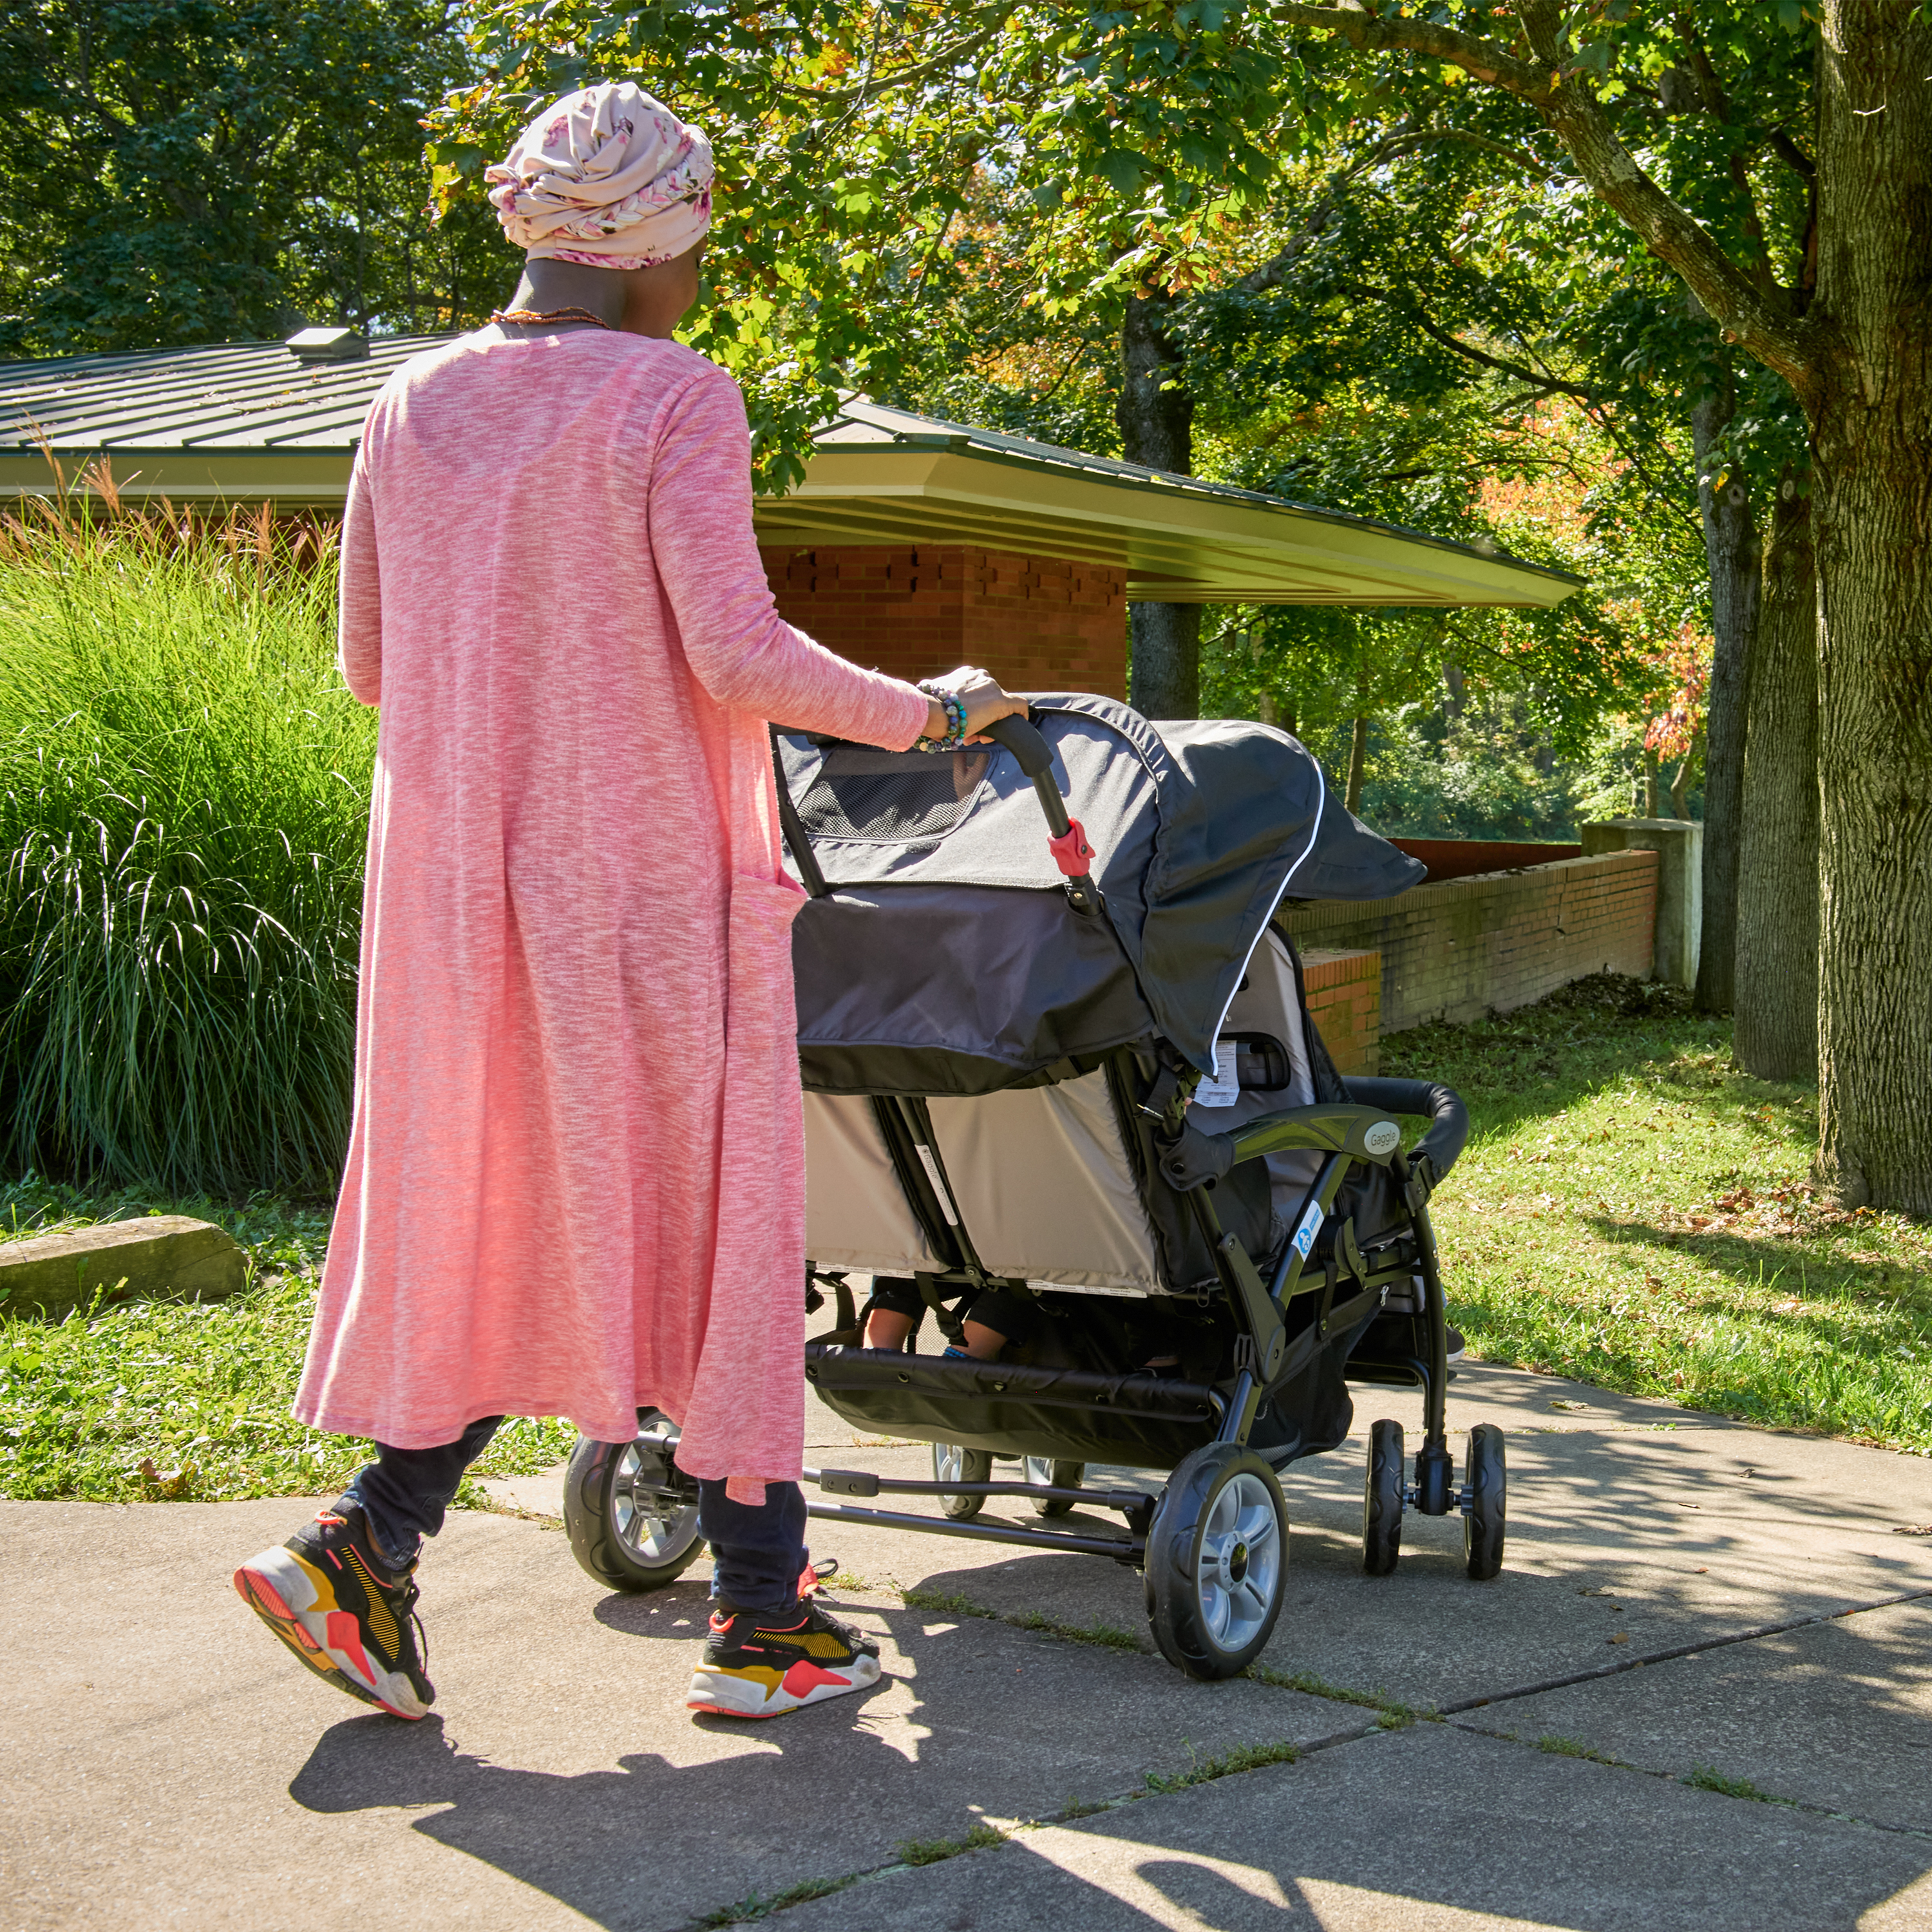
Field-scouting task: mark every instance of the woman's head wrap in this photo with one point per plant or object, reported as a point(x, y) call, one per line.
point(607, 176)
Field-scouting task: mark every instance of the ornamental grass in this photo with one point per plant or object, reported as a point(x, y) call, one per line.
point(183, 802)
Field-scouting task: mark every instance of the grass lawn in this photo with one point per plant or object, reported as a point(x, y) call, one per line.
point(1633, 1212)
point(186, 1401)
point(1629, 1212)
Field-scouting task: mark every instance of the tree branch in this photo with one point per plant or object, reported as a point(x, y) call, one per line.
point(1766, 327)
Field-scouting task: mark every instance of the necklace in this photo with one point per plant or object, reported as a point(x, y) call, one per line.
point(534, 318)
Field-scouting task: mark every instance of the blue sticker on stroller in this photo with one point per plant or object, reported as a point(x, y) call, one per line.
point(1311, 1226)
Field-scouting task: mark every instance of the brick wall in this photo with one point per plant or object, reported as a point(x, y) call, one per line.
point(1465, 947)
point(1345, 998)
point(1036, 623)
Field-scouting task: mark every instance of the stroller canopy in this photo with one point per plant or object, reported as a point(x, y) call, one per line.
point(945, 932)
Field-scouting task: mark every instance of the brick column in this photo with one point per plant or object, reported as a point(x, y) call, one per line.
point(1036, 623)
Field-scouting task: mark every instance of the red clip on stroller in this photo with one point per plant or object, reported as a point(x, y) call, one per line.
point(1078, 1068)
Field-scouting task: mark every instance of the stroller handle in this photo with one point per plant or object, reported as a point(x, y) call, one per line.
point(1023, 738)
point(1441, 1105)
point(1067, 841)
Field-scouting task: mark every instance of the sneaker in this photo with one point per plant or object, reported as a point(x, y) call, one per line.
point(331, 1600)
point(1455, 1339)
point(751, 1669)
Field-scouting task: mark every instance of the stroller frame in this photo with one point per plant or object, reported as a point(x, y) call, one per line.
point(1217, 1475)
point(1266, 1357)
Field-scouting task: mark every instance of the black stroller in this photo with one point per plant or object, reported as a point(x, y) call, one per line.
point(1076, 1069)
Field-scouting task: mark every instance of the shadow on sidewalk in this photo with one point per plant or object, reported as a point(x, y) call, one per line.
point(817, 1794)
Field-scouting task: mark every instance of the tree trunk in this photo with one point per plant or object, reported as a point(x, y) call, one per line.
point(1358, 756)
point(1270, 710)
point(1156, 418)
point(1680, 788)
point(1732, 550)
point(1871, 411)
point(1653, 801)
point(1777, 1035)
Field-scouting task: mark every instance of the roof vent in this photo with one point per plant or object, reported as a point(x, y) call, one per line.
point(327, 345)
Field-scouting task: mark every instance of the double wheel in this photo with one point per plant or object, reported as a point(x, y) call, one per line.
point(630, 1512)
point(1483, 1500)
point(952, 1464)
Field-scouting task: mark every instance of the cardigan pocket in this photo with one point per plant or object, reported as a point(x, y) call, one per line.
point(760, 1008)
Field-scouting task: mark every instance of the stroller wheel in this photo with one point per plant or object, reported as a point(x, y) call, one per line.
point(952, 1464)
point(1381, 1500)
point(1482, 1503)
point(1217, 1561)
point(1048, 1475)
point(630, 1512)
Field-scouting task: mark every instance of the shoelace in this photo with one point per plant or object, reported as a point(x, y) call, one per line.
point(409, 1594)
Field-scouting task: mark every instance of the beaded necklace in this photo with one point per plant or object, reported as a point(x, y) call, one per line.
point(530, 318)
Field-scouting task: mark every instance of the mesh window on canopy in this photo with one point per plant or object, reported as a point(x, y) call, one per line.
point(892, 798)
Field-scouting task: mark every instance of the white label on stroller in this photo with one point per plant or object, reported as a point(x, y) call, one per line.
point(932, 1167)
point(1311, 1226)
point(1225, 1089)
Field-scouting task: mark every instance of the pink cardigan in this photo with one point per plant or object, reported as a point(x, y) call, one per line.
point(575, 1183)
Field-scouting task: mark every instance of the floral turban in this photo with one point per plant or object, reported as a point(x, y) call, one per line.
point(607, 176)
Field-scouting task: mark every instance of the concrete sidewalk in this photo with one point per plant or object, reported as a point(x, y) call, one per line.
point(1700, 1695)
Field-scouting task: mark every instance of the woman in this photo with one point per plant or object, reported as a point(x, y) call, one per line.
point(575, 1178)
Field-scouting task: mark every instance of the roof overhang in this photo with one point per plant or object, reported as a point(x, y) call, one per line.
point(244, 423)
point(1173, 542)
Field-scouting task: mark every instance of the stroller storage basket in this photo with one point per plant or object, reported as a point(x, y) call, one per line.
point(1008, 1409)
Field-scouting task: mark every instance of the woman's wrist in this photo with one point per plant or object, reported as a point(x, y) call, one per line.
point(946, 719)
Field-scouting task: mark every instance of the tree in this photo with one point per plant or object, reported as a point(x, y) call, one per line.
point(1777, 924)
point(194, 170)
point(1846, 325)
point(853, 141)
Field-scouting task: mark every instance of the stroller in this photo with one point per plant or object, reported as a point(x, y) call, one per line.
point(1073, 1065)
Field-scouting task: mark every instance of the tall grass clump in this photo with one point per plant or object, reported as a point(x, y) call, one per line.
point(184, 801)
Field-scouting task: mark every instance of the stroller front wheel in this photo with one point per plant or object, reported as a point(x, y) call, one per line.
point(1484, 1503)
point(630, 1513)
point(1382, 1500)
point(952, 1464)
point(1217, 1561)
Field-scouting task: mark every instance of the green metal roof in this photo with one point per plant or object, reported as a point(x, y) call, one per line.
point(245, 421)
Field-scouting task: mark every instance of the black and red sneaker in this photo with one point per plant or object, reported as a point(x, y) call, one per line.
point(328, 1595)
point(760, 1664)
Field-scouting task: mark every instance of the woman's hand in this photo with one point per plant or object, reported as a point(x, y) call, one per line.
point(984, 700)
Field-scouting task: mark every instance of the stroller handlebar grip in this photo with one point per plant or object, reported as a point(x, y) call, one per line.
point(1026, 742)
point(1449, 1130)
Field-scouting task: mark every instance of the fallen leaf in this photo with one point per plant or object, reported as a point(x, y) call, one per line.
point(1621, 1636)
point(1913, 1529)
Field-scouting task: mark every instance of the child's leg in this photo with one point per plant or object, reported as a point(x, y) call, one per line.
point(892, 1316)
point(997, 1317)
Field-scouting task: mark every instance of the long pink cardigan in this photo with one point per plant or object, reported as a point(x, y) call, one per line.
point(575, 1182)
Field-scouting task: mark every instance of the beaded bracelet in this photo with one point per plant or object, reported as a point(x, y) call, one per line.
point(955, 709)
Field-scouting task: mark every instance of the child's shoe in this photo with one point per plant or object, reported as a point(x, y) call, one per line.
point(762, 1664)
point(328, 1597)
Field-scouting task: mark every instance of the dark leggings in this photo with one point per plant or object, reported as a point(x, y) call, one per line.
point(1008, 1315)
point(757, 1551)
